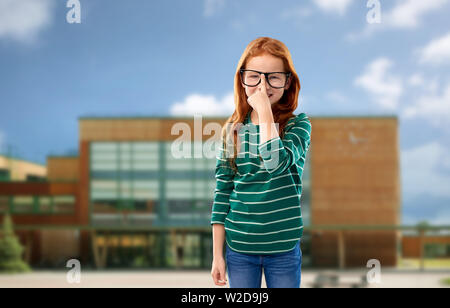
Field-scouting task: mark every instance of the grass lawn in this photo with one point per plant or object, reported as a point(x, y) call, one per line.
point(446, 281)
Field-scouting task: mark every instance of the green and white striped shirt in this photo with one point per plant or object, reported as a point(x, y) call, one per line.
point(260, 204)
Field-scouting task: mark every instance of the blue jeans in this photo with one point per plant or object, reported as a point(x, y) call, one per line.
point(281, 270)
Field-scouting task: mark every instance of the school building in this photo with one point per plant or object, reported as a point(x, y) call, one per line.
point(127, 201)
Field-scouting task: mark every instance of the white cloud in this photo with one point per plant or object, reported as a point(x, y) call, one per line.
point(211, 7)
point(417, 81)
point(406, 14)
point(23, 20)
point(384, 87)
point(437, 51)
point(207, 105)
point(446, 162)
point(420, 171)
point(435, 108)
point(333, 6)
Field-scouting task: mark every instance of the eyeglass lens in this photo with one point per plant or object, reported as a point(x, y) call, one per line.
point(276, 80)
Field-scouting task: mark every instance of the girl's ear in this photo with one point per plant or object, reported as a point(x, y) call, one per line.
point(288, 83)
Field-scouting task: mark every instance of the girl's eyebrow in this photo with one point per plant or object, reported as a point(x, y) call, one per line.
point(249, 69)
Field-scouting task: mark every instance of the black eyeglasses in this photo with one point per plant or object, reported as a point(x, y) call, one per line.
point(252, 78)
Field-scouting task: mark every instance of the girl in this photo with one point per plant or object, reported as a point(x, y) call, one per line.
point(259, 169)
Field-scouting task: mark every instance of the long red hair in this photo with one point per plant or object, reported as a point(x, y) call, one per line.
point(282, 111)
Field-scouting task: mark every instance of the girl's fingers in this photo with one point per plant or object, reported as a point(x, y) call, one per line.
point(218, 279)
point(262, 85)
point(223, 278)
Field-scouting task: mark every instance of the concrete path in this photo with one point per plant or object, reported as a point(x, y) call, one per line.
point(202, 279)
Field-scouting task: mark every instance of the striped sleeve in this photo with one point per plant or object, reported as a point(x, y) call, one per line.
point(224, 185)
point(279, 155)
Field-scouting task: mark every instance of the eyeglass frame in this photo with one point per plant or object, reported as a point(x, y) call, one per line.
point(266, 75)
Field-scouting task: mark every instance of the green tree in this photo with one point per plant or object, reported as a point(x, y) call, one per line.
point(11, 249)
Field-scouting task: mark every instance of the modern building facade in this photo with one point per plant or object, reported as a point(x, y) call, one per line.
point(127, 199)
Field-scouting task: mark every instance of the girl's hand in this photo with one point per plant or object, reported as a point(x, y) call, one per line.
point(218, 271)
point(259, 100)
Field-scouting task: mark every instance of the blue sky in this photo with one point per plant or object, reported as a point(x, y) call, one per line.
point(177, 57)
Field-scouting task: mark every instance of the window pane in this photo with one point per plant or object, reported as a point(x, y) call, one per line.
point(23, 204)
point(151, 147)
point(104, 146)
point(44, 204)
point(104, 194)
point(104, 156)
point(99, 185)
point(145, 165)
point(98, 166)
point(64, 204)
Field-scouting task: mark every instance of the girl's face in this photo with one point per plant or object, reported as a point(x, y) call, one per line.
point(267, 63)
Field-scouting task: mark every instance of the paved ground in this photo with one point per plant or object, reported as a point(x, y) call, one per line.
point(201, 279)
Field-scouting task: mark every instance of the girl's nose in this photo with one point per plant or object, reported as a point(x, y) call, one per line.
point(267, 83)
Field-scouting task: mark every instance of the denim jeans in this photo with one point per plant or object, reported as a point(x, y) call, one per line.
point(281, 270)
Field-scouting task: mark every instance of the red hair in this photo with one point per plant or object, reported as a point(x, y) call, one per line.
point(282, 111)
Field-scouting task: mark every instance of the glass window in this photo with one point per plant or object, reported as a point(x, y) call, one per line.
point(139, 165)
point(129, 180)
point(63, 204)
point(104, 194)
point(104, 166)
point(104, 146)
point(4, 175)
point(104, 156)
point(23, 204)
point(35, 178)
point(179, 189)
point(105, 205)
point(103, 185)
point(147, 147)
point(179, 165)
point(45, 204)
point(179, 206)
point(127, 175)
